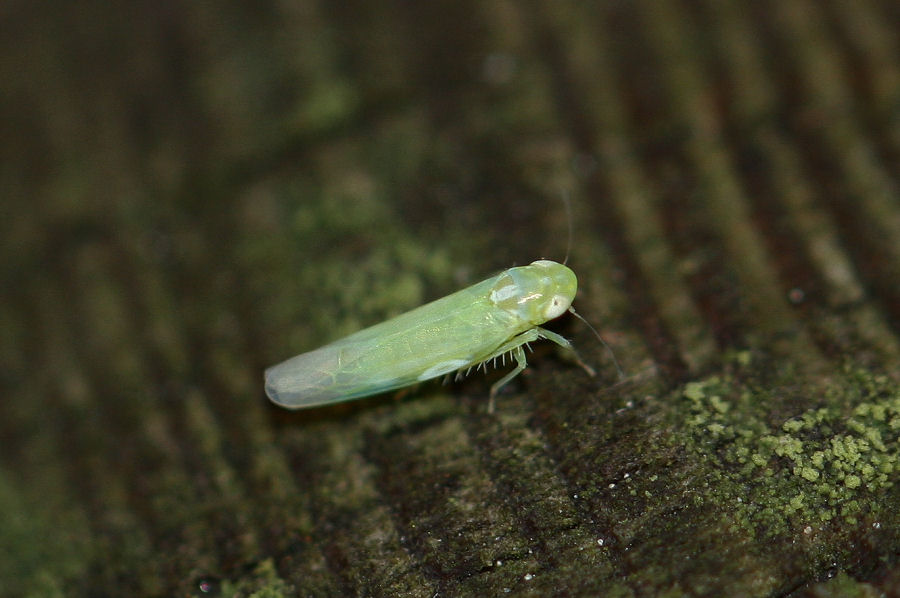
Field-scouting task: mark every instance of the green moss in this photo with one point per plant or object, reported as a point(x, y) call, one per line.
point(342, 258)
point(31, 565)
point(809, 473)
point(718, 404)
point(844, 586)
point(329, 104)
point(262, 582)
point(831, 460)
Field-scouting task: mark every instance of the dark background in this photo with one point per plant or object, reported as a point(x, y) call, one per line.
point(194, 191)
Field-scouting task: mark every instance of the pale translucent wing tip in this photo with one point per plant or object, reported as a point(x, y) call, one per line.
point(272, 392)
point(299, 381)
point(311, 379)
point(276, 393)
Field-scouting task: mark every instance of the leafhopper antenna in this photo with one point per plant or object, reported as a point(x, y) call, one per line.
point(603, 342)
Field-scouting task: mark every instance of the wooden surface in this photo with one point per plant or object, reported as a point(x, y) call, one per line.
point(193, 192)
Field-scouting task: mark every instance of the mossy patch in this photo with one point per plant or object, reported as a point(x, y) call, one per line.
point(844, 586)
point(788, 468)
point(342, 260)
point(262, 582)
point(44, 543)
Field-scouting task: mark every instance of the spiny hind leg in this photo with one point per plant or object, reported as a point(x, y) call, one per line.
point(519, 353)
point(514, 347)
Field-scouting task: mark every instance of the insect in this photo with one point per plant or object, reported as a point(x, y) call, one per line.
point(472, 326)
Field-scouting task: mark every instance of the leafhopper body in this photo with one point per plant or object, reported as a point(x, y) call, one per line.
point(469, 327)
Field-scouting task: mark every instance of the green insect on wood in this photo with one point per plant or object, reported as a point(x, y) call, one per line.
point(470, 327)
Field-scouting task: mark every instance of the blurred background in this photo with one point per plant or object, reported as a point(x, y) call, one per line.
point(192, 192)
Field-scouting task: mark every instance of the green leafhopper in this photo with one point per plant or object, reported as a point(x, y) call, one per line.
point(470, 327)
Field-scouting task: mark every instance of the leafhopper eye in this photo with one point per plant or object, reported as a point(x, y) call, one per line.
point(556, 307)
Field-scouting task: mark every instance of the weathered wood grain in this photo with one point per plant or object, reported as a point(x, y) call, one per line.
point(193, 192)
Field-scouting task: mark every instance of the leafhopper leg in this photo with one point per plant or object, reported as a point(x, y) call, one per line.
point(565, 344)
point(519, 354)
point(514, 347)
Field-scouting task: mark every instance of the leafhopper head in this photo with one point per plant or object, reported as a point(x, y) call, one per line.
point(536, 293)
